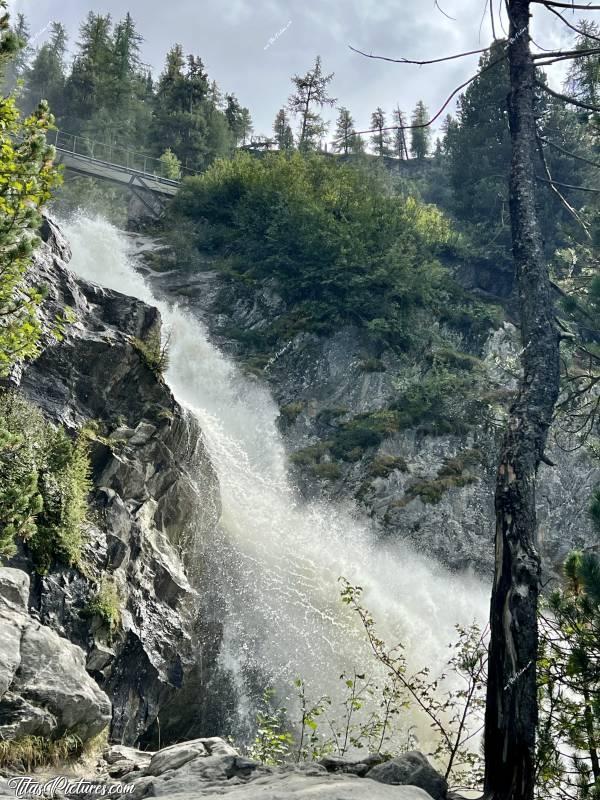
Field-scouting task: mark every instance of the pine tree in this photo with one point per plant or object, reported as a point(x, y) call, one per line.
point(400, 147)
point(89, 85)
point(569, 677)
point(479, 154)
point(344, 131)
point(311, 93)
point(238, 119)
point(358, 145)
point(420, 136)
point(381, 139)
point(15, 69)
point(283, 131)
point(45, 79)
point(27, 176)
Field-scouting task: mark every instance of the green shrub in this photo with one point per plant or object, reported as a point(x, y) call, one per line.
point(310, 455)
point(29, 753)
point(291, 411)
point(154, 353)
point(106, 604)
point(384, 465)
point(44, 485)
point(339, 244)
point(372, 365)
point(328, 470)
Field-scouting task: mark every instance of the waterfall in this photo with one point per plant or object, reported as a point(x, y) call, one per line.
point(277, 557)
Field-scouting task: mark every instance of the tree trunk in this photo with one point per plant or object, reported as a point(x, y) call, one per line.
point(511, 709)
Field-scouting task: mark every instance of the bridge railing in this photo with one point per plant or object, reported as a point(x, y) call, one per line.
point(116, 156)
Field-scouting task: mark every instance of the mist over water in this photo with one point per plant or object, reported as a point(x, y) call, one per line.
point(278, 558)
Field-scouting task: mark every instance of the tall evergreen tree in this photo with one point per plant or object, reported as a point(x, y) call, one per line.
point(238, 119)
point(420, 136)
point(283, 131)
point(27, 176)
point(89, 86)
point(380, 139)
point(311, 92)
point(45, 78)
point(15, 69)
point(344, 131)
point(400, 146)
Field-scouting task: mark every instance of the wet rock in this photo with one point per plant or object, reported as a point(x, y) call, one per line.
point(154, 488)
point(45, 689)
point(411, 769)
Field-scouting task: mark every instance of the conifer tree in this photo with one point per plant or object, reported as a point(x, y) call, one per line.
point(311, 93)
point(45, 78)
point(15, 69)
point(89, 84)
point(420, 136)
point(344, 131)
point(283, 131)
point(400, 146)
point(238, 119)
point(27, 176)
point(380, 139)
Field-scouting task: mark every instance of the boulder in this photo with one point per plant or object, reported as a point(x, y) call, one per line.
point(44, 688)
point(411, 769)
point(350, 766)
point(211, 768)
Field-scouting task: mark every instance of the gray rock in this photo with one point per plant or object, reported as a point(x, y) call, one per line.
point(325, 372)
point(411, 769)
point(44, 687)
point(350, 766)
point(119, 752)
point(156, 499)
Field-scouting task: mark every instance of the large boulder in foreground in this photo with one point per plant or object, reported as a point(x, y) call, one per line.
point(212, 768)
point(44, 687)
point(411, 769)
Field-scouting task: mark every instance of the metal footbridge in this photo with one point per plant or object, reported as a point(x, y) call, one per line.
point(116, 164)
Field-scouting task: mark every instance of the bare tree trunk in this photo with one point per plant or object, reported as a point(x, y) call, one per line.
point(511, 710)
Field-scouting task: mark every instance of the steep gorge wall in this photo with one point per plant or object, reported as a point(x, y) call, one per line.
point(155, 501)
point(433, 489)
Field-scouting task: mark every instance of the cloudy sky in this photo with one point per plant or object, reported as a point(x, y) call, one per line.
point(251, 47)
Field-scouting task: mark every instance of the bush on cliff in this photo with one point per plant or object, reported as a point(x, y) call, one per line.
point(44, 485)
point(338, 244)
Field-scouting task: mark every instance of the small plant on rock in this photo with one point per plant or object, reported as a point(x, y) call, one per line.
point(272, 743)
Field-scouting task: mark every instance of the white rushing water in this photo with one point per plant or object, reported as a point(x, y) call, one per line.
point(280, 558)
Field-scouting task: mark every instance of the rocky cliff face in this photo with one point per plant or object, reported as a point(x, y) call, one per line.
point(434, 489)
point(155, 501)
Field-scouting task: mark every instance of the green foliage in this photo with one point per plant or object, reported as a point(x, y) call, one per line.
point(29, 753)
point(454, 715)
point(106, 604)
point(154, 353)
point(340, 247)
point(382, 466)
point(27, 176)
point(171, 165)
point(420, 135)
point(291, 411)
point(44, 485)
point(569, 681)
point(271, 745)
point(310, 93)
